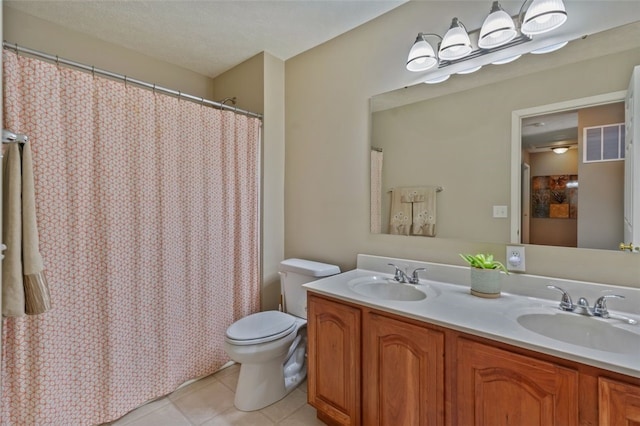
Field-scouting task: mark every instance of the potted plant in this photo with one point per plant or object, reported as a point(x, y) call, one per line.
point(486, 275)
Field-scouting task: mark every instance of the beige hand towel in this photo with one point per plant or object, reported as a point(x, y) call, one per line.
point(36, 288)
point(400, 217)
point(424, 212)
point(24, 284)
point(12, 286)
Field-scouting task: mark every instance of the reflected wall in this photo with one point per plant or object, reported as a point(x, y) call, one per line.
point(462, 141)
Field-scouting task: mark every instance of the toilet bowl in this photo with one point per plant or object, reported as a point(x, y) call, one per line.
point(271, 345)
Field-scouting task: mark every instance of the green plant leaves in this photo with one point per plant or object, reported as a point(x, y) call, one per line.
point(483, 261)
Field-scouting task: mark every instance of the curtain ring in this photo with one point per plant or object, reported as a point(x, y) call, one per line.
point(17, 50)
point(57, 61)
point(93, 71)
point(154, 88)
point(179, 94)
point(125, 81)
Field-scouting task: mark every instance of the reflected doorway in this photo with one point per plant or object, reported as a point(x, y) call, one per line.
point(572, 196)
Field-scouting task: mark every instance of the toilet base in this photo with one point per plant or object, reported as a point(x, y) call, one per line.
point(265, 383)
point(259, 385)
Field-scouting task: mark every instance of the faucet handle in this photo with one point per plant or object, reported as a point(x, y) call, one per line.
point(415, 278)
point(399, 274)
point(566, 304)
point(600, 307)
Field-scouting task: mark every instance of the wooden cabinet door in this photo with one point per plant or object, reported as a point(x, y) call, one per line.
point(334, 360)
point(403, 373)
point(619, 403)
point(499, 388)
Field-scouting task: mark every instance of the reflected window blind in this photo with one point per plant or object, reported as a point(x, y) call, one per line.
point(603, 143)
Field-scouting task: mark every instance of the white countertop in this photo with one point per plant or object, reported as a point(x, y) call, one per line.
point(450, 305)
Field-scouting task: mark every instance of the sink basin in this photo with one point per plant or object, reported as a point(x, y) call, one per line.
point(588, 332)
point(387, 289)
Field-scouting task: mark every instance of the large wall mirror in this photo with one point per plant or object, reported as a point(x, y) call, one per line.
point(458, 137)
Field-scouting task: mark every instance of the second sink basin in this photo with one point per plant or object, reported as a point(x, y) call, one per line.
point(386, 289)
point(583, 331)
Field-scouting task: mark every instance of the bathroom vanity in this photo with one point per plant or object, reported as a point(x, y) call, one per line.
point(444, 357)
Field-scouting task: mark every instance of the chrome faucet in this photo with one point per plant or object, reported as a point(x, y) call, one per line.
point(566, 304)
point(582, 307)
point(402, 276)
point(600, 307)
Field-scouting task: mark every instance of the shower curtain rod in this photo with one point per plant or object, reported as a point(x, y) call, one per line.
point(143, 84)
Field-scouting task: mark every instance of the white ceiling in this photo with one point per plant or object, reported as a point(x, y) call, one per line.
point(560, 128)
point(209, 36)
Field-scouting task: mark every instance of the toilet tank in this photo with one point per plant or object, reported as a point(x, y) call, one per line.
point(294, 273)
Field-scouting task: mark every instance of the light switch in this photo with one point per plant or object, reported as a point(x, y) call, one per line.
point(500, 211)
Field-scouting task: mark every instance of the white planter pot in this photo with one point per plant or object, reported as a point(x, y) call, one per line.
point(486, 282)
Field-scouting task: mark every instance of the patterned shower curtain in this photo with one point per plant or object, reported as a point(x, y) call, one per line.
point(149, 228)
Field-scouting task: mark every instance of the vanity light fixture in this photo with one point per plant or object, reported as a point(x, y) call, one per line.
point(549, 49)
point(543, 16)
point(499, 31)
point(560, 149)
point(438, 79)
point(456, 43)
point(506, 60)
point(422, 56)
point(470, 70)
point(498, 28)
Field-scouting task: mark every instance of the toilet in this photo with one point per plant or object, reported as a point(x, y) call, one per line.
point(271, 345)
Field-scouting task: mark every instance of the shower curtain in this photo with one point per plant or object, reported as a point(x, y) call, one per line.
point(149, 229)
point(376, 191)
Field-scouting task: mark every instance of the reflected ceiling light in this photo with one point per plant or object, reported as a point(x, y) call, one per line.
point(438, 79)
point(542, 16)
point(470, 70)
point(498, 28)
point(455, 43)
point(422, 56)
point(506, 60)
point(549, 49)
point(560, 149)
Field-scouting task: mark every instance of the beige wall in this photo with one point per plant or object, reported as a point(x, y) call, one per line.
point(273, 179)
point(327, 146)
point(245, 82)
point(600, 223)
point(258, 84)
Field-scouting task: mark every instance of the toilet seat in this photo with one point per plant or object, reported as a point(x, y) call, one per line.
point(261, 327)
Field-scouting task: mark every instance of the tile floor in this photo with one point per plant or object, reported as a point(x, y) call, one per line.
point(209, 402)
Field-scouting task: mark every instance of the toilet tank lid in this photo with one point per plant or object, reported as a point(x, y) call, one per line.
point(308, 267)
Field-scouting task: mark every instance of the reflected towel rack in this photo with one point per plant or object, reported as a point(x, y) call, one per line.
point(438, 189)
point(10, 137)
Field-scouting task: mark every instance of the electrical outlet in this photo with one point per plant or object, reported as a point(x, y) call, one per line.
point(515, 258)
